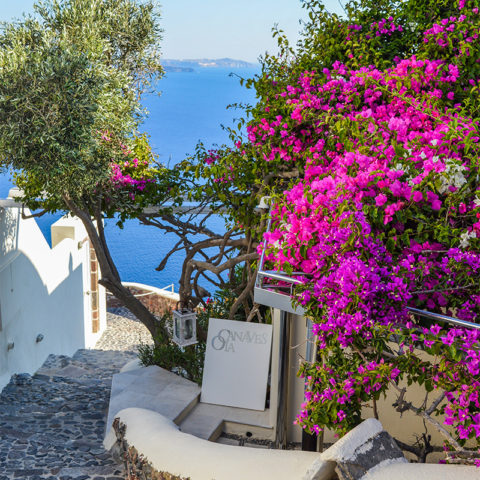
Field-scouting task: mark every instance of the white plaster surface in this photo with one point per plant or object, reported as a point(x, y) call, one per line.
point(416, 471)
point(41, 292)
point(237, 358)
point(160, 291)
point(345, 447)
point(176, 398)
point(178, 453)
point(319, 470)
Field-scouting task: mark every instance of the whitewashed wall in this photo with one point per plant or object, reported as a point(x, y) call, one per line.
point(43, 291)
point(71, 228)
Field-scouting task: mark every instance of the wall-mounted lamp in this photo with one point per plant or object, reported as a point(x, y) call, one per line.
point(39, 338)
point(10, 346)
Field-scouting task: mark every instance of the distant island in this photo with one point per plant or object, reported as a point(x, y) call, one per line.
point(170, 68)
point(173, 65)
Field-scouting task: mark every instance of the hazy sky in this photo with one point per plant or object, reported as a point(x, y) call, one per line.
point(239, 29)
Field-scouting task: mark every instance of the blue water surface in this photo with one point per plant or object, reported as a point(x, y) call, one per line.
point(191, 107)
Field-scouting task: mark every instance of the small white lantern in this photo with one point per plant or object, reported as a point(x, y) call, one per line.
point(184, 327)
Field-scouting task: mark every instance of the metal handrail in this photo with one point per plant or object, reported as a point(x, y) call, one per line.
point(283, 277)
point(280, 276)
point(443, 318)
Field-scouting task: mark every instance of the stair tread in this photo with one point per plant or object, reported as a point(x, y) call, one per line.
point(152, 388)
point(205, 418)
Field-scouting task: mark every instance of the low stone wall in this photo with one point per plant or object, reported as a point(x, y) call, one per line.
point(157, 302)
point(137, 467)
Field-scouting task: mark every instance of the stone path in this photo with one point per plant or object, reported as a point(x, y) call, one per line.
point(52, 424)
point(124, 332)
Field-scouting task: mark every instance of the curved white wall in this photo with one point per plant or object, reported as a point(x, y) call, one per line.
point(170, 450)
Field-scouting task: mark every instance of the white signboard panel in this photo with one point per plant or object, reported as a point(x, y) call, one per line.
point(236, 364)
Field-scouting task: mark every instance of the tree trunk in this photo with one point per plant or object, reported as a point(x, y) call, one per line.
point(110, 278)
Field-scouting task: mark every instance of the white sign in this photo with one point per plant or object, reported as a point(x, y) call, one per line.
point(236, 364)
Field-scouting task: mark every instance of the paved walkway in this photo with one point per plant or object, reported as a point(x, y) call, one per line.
point(52, 424)
point(124, 332)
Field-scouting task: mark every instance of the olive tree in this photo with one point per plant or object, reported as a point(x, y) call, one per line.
point(71, 79)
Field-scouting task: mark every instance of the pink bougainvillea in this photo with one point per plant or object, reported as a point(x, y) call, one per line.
point(374, 175)
point(385, 215)
point(129, 175)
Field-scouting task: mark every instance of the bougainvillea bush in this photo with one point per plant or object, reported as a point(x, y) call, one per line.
point(366, 137)
point(384, 215)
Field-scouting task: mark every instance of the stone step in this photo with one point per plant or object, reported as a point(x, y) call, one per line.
point(202, 424)
point(152, 388)
point(84, 364)
point(187, 409)
point(174, 397)
point(208, 421)
point(52, 423)
point(63, 366)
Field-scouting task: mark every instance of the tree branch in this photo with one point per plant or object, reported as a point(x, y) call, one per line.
point(32, 215)
point(244, 294)
point(402, 405)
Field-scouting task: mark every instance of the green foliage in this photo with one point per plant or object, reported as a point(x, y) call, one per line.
point(75, 71)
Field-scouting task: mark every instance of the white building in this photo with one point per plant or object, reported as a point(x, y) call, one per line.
point(50, 300)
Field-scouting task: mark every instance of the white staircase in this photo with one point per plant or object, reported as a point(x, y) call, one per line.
point(153, 388)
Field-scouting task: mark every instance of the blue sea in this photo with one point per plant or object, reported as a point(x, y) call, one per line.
point(191, 108)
